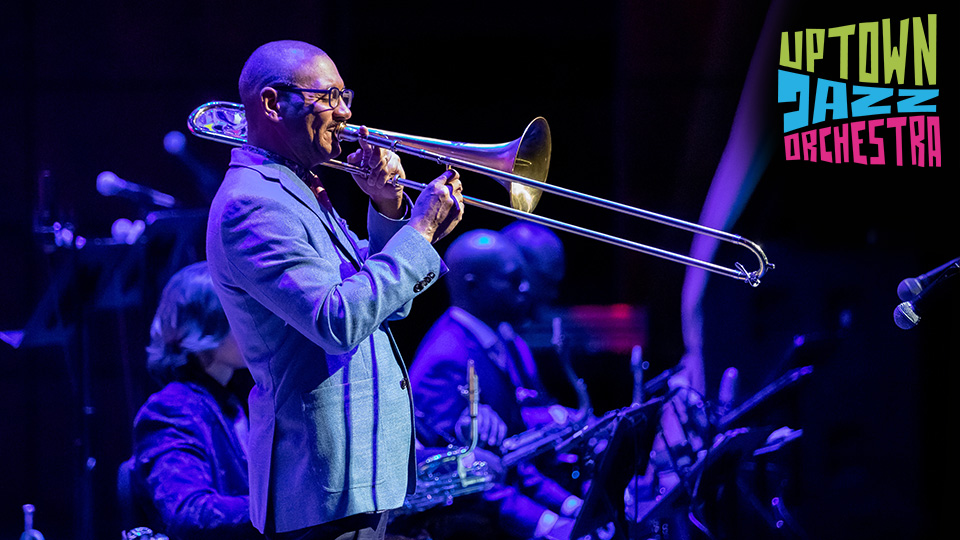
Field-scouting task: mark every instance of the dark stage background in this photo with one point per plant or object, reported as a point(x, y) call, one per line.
point(640, 96)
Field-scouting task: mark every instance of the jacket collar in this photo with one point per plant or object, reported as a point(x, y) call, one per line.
point(301, 171)
point(270, 169)
point(274, 170)
point(485, 335)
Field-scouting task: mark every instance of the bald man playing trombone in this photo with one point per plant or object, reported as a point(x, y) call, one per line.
point(331, 437)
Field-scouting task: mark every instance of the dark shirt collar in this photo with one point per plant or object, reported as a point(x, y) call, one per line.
point(229, 396)
point(301, 171)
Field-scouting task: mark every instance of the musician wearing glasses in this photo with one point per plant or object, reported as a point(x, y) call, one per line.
point(331, 445)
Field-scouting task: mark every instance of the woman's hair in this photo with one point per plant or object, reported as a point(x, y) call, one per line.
point(189, 320)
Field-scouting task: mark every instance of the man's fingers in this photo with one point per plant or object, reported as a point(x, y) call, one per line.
point(449, 176)
point(392, 167)
point(355, 157)
point(483, 428)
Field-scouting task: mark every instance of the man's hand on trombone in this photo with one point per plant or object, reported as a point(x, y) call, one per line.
point(383, 167)
point(439, 207)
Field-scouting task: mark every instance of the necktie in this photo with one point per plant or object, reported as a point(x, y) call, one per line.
point(520, 363)
point(323, 199)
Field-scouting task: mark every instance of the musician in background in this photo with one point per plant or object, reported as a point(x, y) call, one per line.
point(545, 262)
point(488, 293)
point(190, 465)
point(544, 268)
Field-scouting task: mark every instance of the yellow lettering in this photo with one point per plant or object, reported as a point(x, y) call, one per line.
point(925, 51)
point(785, 50)
point(843, 32)
point(869, 52)
point(895, 58)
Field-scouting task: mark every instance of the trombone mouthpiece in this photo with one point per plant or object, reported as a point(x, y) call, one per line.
point(339, 132)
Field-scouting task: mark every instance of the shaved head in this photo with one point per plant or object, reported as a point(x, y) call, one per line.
point(274, 62)
point(292, 124)
point(486, 276)
point(545, 261)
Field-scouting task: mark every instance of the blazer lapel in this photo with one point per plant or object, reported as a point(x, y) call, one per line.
point(300, 191)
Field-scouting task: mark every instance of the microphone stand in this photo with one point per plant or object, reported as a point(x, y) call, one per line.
point(584, 407)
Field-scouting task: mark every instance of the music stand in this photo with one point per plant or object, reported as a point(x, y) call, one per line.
point(718, 467)
point(175, 238)
point(714, 469)
point(99, 276)
point(749, 409)
point(626, 456)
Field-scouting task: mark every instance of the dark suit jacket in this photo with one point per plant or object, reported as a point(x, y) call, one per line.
point(331, 413)
point(190, 471)
point(440, 368)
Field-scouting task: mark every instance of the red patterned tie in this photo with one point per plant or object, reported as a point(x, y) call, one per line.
point(324, 199)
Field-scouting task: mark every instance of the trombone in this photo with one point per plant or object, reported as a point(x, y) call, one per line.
point(520, 166)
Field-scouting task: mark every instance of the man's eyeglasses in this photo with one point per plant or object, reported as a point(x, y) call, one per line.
point(334, 95)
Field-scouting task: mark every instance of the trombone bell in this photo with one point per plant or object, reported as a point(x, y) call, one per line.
point(528, 156)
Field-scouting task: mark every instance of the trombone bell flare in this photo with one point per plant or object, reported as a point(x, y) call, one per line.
point(527, 157)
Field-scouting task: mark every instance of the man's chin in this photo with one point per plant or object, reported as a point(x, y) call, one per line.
point(330, 153)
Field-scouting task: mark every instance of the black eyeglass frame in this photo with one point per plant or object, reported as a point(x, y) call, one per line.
point(334, 95)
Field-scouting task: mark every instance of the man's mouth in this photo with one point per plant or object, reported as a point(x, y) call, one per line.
point(328, 139)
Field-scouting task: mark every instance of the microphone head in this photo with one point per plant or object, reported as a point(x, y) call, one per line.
point(109, 184)
point(909, 289)
point(906, 316)
point(174, 143)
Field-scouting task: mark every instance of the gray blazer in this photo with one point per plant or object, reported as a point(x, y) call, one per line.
point(331, 414)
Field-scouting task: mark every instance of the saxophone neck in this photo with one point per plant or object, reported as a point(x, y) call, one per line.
point(29, 533)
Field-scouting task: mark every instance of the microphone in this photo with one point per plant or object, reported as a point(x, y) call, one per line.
point(907, 314)
point(175, 143)
point(636, 367)
point(911, 288)
point(109, 184)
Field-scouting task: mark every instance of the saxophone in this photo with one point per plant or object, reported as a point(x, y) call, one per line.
point(444, 476)
point(533, 442)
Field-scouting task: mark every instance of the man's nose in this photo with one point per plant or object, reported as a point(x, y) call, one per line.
point(342, 112)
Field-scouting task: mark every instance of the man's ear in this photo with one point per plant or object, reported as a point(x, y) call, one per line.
point(270, 104)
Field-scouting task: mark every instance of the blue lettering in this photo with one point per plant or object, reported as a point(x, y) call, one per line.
point(865, 106)
point(839, 104)
point(794, 88)
point(913, 99)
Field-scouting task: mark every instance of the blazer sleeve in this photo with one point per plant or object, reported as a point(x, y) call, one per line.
point(380, 230)
point(294, 270)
